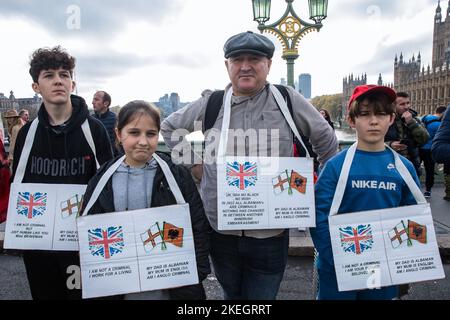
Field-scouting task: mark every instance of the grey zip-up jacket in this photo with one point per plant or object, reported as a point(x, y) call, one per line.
point(260, 113)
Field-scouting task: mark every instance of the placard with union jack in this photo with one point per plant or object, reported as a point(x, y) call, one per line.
point(242, 175)
point(106, 242)
point(356, 239)
point(123, 252)
point(31, 204)
point(42, 216)
point(372, 249)
point(255, 193)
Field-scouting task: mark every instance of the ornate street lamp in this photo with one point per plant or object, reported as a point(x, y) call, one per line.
point(289, 29)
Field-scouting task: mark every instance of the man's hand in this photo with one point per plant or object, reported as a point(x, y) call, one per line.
point(397, 146)
point(197, 171)
point(408, 117)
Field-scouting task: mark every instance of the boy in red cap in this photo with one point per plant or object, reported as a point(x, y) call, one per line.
point(373, 183)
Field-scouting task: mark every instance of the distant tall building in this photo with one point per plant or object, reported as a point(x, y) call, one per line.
point(428, 87)
point(283, 82)
point(168, 104)
point(174, 101)
point(304, 83)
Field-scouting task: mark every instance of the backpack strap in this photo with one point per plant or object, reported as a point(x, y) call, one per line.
point(285, 95)
point(305, 139)
point(212, 109)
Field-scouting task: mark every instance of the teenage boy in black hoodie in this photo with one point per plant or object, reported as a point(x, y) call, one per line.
point(60, 155)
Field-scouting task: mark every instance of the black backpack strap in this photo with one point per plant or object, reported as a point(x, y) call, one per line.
point(305, 139)
point(212, 109)
point(285, 95)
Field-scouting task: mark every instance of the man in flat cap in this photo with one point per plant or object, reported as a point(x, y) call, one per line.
point(249, 264)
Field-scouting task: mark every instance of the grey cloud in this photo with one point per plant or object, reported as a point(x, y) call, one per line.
point(383, 60)
point(97, 17)
point(187, 62)
point(97, 68)
point(380, 9)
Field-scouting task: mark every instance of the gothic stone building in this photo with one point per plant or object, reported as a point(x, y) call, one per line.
point(428, 87)
point(350, 83)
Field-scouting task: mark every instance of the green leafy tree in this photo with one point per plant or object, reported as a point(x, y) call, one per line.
point(331, 103)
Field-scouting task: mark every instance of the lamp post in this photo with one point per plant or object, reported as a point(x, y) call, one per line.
point(289, 29)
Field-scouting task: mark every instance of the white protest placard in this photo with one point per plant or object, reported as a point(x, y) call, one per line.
point(42, 216)
point(384, 247)
point(358, 251)
point(136, 251)
point(265, 193)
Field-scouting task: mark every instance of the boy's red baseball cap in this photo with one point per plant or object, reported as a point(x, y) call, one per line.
point(371, 88)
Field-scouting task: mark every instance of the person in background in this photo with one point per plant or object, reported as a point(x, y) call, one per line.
point(431, 123)
point(4, 182)
point(327, 117)
point(101, 103)
point(440, 149)
point(14, 123)
point(407, 133)
point(24, 115)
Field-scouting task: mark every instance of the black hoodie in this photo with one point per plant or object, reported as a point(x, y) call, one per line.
point(61, 154)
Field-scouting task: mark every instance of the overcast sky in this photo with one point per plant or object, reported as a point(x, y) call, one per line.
point(142, 49)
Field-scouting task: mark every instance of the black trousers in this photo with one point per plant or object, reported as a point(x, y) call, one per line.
point(428, 162)
point(48, 276)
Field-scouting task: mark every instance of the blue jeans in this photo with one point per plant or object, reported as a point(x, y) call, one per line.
point(249, 268)
point(328, 290)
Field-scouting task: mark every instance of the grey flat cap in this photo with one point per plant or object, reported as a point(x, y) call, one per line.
point(249, 42)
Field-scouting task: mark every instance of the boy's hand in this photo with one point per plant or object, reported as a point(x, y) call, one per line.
point(397, 146)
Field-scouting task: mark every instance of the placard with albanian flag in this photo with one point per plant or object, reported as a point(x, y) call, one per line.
point(385, 247)
point(135, 251)
point(265, 193)
point(42, 216)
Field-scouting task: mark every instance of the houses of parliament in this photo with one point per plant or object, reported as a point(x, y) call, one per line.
point(428, 87)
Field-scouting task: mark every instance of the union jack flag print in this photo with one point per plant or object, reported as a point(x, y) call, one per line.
point(241, 175)
point(31, 205)
point(106, 243)
point(356, 240)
